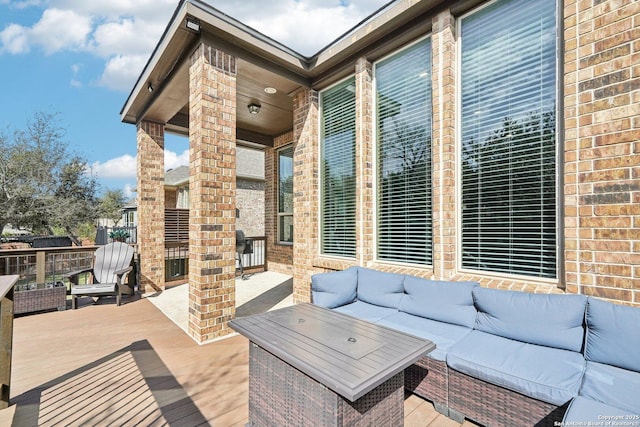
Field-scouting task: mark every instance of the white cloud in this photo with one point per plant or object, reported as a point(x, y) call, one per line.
point(61, 30)
point(173, 160)
point(14, 39)
point(124, 33)
point(122, 71)
point(128, 191)
point(120, 167)
point(125, 166)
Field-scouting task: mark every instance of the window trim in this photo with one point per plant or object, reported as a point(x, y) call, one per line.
point(559, 280)
point(376, 164)
point(278, 213)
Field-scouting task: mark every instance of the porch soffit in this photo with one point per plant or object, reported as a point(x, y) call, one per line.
point(262, 62)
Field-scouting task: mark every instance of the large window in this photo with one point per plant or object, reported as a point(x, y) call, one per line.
point(285, 195)
point(508, 137)
point(338, 187)
point(403, 96)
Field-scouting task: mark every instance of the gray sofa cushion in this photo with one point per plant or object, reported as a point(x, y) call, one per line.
point(333, 289)
point(444, 335)
point(366, 311)
point(450, 302)
point(549, 320)
point(584, 412)
point(379, 288)
point(612, 386)
point(613, 334)
point(548, 374)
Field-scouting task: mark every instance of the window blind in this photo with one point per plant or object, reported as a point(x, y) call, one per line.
point(508, 103)
point(403, 120)
point(338, 205)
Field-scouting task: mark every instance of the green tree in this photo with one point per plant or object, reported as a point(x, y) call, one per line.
point(42, 185)
point(111, 204)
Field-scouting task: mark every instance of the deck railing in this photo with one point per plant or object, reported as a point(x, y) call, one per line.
point(44, 265)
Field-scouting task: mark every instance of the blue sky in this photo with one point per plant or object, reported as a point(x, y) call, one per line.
point(80, 59)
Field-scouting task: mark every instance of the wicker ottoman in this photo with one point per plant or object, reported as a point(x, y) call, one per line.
point(28, 301)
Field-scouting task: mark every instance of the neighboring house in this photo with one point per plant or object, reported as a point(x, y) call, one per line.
point(494, 141)
point(249, 192)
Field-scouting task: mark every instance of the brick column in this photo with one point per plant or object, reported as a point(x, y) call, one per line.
point(305, 191)
point(365, 171)
point(212, 191)
point(601, 149)
point(150, 200)
point(443, 150)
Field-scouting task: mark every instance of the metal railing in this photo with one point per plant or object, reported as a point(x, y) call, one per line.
point(258, 258)
point(176, 261)
point(176, 258)
point(44, 265)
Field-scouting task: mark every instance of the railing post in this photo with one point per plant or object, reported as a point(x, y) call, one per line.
point(41, 266)
point(6, 336)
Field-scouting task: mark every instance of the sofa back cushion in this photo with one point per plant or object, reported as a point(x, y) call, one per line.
point(550, 320)
point(613, 334)
point(334, 289)
point(450, 302)
point(379, 288)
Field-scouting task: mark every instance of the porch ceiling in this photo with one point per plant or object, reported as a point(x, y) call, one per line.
point(171, 105)
point(162, 91)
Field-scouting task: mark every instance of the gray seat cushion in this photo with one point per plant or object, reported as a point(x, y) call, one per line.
point(612, 386)
point(549, 320)
point(613, 334)
point(379, 288)
point(365, 311)
point(444, 335)
point(551, 375)
point(584, 412)
point(450, 302)
point(94, 289)
point(333, 289)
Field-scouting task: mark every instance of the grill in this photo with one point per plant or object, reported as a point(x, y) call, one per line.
point(243, 246)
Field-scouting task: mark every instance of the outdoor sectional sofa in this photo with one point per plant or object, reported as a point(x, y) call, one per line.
point(502, 357)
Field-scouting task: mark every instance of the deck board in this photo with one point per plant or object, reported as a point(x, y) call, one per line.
point(131, 365)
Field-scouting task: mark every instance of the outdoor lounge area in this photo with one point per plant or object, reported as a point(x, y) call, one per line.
point(132, 365)
point(466, 172)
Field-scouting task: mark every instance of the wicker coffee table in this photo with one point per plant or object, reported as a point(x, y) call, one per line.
point(317, 367)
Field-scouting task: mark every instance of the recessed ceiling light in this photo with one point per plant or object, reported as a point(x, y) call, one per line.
point(270, 90)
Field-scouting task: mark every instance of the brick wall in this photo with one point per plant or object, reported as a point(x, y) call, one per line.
point(250, 202)
point(601, 163)
point(170, 197)
point(602, 148)
point(305, 191)
point(279, 257)
point(212, 192)
point(150, 202)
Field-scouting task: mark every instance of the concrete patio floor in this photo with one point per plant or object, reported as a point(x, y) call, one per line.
point(131, 365)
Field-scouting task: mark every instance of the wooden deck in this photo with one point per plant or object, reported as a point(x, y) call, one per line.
point(130, 365)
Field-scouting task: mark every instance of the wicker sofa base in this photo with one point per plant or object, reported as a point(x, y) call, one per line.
point(492, 405)
point(40, 299)
point(281, 395)
point(428, 379)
